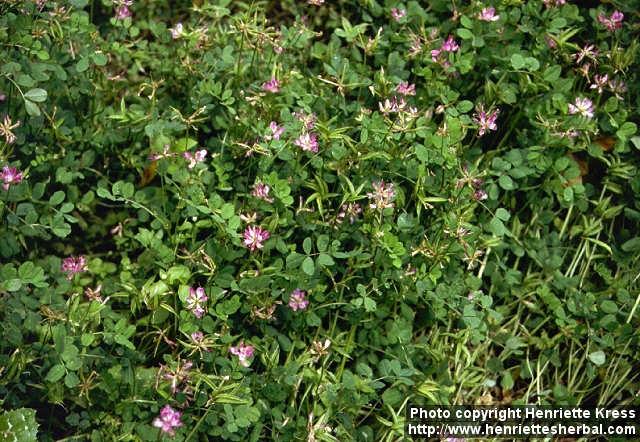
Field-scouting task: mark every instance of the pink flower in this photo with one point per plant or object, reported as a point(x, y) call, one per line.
point(10, 176)
point(382, 195)
point(254, 236)
point(480, 195)
point(405, 88)
point(488, 14)
point(261, 190)
point(551, 43)
point(168, 420)
point(392, 106)
point(276, 131)
point(552, 3)
point(316, 2)
point(485, 121)
point(178, 376)
point(599, 82)
point(618, 87)
point(243, 352)
point(94, 294)
point(122, 9)
point(416, 46)
point(397, 14)
point(307, 141)
point(73, 265)
point(298, 301)
point(589, 51)
point(6, 129)
point(450, 45)
point(582, 106)
point(196, 301)
point(196, 158)
point(351, 210)
point(272, 85)
point(308, 120)
point(177, 31)
point(613, 22)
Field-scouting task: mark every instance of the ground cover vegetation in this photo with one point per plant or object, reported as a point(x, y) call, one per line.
point(283, 220)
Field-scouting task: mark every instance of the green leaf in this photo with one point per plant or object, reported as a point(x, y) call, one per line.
point(325, 260)
point(12, 285)
point(609, 306)
point(626, 130)
point(597, 357)
point(19, 425)
point(322, 243)
point(99, 59)
point(497, 227)
point(32, 108)
point(36, 95)
point(369, 304)
point(119, 339)
point(82, 65)
point(57, 198)
point(464, 106)
point(506, 182)
point(503, 214)
point(517, 61)
point(307, 266)
point(71, 380)
point(306, 245)
point(178, 273)
point(227, 210)
point(633, 245)
point(56, 373)
point(465, 34)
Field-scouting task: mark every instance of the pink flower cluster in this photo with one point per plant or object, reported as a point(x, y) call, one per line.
point(243, 352)
point(613, 22)
point(196, 301)
point(449, 45)
point(479, 194)
point(177, 31)
point(486, 121)
point(405, 88)
point(74, 265)
point(168, 420)
point(553, 3)
point(254, 237)
point(276, 131)
point(599, 82)
point(350, 210)
point(308, 120)
point(7, 126)
point(196, 158)
point(10, 176)
point(488, 14)
point(122, 9)
point(582, 106)
point(398, 14)
point(307, 141)
point(298, 300)
point(382, 195)
point(272, 85)
point(261, 191)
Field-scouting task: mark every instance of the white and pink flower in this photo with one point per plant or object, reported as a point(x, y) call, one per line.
point(254, 237)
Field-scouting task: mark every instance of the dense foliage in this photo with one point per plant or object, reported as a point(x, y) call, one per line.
point(226, 220)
